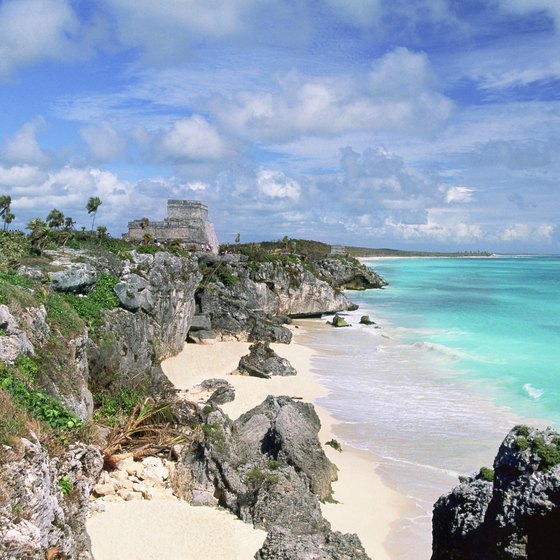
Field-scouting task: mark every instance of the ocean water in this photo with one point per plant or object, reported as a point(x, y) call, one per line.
point(465, 349)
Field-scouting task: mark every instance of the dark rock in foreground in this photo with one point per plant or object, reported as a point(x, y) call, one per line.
point(264, 362)
point(268, 467)
point(516, 516)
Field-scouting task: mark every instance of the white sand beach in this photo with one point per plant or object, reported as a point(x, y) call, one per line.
point(365, 505)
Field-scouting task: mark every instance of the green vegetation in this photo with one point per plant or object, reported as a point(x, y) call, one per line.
point(34, 401)
point(62, 316)
point(214, 434)
point(486, 474)
point(113, 408)
point(102, 297)
point(65, 485)
point(334, 444)
point(522, 430)
point(549, 454)
point(257, 476)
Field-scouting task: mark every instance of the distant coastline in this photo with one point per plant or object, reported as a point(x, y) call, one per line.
point(364, 252)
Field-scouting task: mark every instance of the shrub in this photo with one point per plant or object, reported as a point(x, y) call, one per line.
point(486, 474)
point(65, 485)
point(334, 444)
point(115, 407)
point(36, 402)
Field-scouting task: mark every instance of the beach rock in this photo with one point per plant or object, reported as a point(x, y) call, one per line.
point(269, 469)
point(365, 320)
point(338, 321)
point(514, 517)
point(263, 362)
point(222, 391)
point(201, 337)
point(200, 323)
point(282, 544)
point(35, 514)
point(347, 273)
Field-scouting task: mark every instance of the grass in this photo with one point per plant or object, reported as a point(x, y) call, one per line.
point(114, 407)
point(102, 297)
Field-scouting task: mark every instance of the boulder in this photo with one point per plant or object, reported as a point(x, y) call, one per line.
point(222, 391)
point(516, 516)
point(76, 278)
point(338, 321)
point(365, 320)
point(263, 362)
point(268, 468)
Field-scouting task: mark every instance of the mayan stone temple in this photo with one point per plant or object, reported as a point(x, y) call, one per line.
point(187, 222)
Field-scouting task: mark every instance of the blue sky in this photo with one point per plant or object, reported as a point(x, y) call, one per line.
point(429, 124)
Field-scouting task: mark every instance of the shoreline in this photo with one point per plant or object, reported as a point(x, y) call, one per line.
point(364, 503)
point(367, 506)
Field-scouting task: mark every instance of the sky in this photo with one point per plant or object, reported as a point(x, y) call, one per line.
point(412, 124)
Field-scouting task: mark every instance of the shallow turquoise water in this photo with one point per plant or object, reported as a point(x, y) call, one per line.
point(465, 349)
point(497, 319)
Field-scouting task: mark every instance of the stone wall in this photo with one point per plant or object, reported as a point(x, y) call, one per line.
point(187, 221)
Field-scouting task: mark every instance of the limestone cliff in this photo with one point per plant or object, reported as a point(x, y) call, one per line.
point(237, 293)
point(44, 501)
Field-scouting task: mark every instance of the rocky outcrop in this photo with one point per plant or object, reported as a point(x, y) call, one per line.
point(516, 515)
point(156, 293)
point(262, 361)
point(75, 278)
point(268, 468)
point(44, 502)
point(241, 297)
point(348, 273)
point(25, 332)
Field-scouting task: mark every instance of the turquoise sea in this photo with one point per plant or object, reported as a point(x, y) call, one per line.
point(465, 349)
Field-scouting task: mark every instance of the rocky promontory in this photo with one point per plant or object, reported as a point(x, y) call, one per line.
point(510, 512)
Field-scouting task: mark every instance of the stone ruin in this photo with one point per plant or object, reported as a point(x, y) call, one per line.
point(187, 222)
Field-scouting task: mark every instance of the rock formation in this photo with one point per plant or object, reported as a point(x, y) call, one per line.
point(348, 273)
point(269, 469)
point(245, 299)
point(514, 516)
point(262, 361)
point(44, 500)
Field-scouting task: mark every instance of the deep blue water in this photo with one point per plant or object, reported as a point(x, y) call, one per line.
point(465, 349)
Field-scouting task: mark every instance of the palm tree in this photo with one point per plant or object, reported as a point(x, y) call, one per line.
point(93, 204)
point(5, 212)
point(55, 218)
point(69, 223)
point(39, 232)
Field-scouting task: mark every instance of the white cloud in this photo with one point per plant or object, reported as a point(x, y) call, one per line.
point(23, 148)
point(166, 29)
point(276, 185)
point(459, 194)
point(103, 141)
point(20, 175)
point(34, 30)
point(399, 94)
point(527, 232)
point(523, 7)
point(191, 139)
